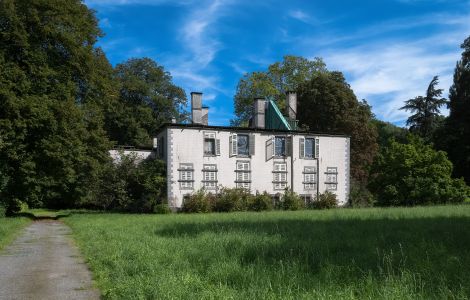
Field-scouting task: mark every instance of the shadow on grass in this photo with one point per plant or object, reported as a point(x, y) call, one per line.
point(434, 249)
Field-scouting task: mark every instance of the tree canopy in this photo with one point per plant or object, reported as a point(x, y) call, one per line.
point(426, 110)
point(326, 103)
point(275, 82)
point(414, 174)
point(147, 98)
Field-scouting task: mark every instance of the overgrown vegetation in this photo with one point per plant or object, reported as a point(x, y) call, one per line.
point(236, 199)
point(9, 227)
point(372, 253)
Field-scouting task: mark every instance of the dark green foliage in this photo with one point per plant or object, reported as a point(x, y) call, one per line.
point(387, 131)
point(198, 202)
point(260, 202)
point(426, 110)
point(3, 211)
point(132, 186)
point(455, 136)
point(291, 201)
point(360, 196)
point(326, 103)
point(147, 99)
point(326, 200)
point(232, 199)
point(162, 209)
point(415, 174)
point(51, 88)
point(275, 82)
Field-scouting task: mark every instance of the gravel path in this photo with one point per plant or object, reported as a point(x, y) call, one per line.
point(44, 263)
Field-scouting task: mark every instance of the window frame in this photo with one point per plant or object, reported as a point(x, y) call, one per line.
point(184, 170)
point(276, 138)
point(279, 175)
point(244, 171)
point(310, 184)
point(331, 180)
point(209, 170)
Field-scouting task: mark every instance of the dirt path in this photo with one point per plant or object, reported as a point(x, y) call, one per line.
point(43, 263)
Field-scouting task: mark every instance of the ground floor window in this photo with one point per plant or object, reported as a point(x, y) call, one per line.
point(209, 176)
point(243, 174)
point(186, 180)
point(309, 178)
point(307, 198)
point(280, 176)
point(331, 178)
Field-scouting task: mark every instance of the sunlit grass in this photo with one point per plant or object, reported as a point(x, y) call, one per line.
point(10, 228)
point(394, 253)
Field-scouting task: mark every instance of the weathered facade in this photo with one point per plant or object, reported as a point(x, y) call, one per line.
point(270, 156)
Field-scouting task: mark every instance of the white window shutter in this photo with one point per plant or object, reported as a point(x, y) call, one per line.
point(155, 143)
point(302, 147)
point(269, 149)
point(233, 145)
point(289, 146)
point(317, 147)
point(230, 145)
point(252, 144)
point(217, 147)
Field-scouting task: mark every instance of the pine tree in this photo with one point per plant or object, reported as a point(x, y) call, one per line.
point(426, 110)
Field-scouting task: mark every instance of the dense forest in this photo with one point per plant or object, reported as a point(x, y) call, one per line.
point(63, 106)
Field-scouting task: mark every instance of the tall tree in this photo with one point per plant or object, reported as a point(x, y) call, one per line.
point(147, 98)
point(51, 93)
point(326, 103)
point(275, 82)
point(455, 138)
point(426, 110)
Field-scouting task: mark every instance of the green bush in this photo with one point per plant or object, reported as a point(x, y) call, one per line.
point(232, 199)
point(326, 200)
point(291, 201)
point(415, 174)
point(198, 202)
point(260, 202)
point(3, 211)
point(162, 209)
point(131, 185)
point(360, 196)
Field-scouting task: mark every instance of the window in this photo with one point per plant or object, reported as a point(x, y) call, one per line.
point(243, 174)
point(309, 147)
point(309, 178)
point(209, 176)
point(211, 144)
point(242, 144)
point(280, 146)
point(331, 178)
point(186, 176)
point(280, 176)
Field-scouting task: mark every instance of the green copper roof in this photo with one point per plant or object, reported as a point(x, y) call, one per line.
point(274, 118)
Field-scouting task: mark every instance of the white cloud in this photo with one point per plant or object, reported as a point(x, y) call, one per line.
point(299, 15)
point(104, 3)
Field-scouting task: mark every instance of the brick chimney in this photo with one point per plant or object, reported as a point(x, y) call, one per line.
point(291, 105)
point(196, 107)
point(259, 113)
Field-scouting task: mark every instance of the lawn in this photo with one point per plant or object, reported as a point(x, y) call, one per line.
point(396, 253)
point(9, 228)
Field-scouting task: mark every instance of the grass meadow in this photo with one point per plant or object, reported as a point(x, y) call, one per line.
point(9, 228)
point(386, 253)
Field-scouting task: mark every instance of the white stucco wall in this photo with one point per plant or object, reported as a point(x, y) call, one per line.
point(185, 145)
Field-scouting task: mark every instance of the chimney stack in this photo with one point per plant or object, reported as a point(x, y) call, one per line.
point(196, 107)
point(205, 115)
point(291, 105)
point(259, 111)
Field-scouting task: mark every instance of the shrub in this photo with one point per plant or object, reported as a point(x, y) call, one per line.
point(291, 201)
point(325, 201)
point(260, 202)
point(3, 211)
point(415, 174)
point(162, 209)
point(232, 199)
point(198, 202)
point(360, 196)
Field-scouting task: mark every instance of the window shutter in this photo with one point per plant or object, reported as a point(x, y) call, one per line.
point(302, 147)
point(233, 145)
point(161, 148)
point(317, 147)
point(289, 146)
point(217, 147)
point(252, 144)
point(155, 143)
point(269, 149)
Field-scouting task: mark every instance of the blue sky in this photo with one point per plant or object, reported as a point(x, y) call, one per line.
point(388, 50)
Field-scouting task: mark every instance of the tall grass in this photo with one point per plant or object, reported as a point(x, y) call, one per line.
point(392, 253)
point(9, 228)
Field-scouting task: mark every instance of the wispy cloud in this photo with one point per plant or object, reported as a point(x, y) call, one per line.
point(103, 3)
point(299, 15)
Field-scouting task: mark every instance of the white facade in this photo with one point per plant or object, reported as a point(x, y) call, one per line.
point(200, 156)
